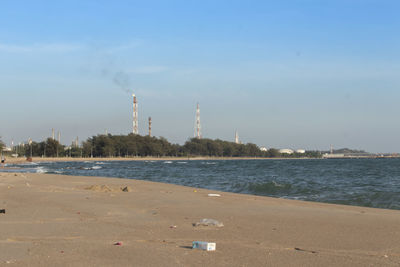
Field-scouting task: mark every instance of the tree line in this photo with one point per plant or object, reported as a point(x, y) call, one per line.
point(1, 145)
point(133, 145)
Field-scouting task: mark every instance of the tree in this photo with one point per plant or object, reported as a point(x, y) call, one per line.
point(133, 145)
point(52, 148)
point(272, 153)
point(1, 145)
point(253, 150)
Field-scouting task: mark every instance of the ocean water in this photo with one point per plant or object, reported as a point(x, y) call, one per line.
point(360, 182)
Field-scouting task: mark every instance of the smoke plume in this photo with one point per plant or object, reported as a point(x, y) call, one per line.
point(123, 81)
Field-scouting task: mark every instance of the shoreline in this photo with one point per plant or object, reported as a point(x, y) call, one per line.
point(20, 169)
point(19, 160)
point(10, 160)
point(71, 220)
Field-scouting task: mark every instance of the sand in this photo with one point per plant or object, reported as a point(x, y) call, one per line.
point(54, 220)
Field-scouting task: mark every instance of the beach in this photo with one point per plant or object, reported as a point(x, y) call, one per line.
point(91, 221)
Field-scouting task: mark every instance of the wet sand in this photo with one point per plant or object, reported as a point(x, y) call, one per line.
point(54, 220)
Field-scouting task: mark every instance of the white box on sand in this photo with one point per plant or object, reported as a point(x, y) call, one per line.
point(204, 245)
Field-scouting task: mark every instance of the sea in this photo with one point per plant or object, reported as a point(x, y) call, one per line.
point(360, 182)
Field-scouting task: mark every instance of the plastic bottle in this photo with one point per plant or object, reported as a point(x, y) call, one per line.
point(204, 245)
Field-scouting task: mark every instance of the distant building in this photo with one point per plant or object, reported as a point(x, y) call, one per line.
point(300, 151)
point(286, 151)
point(7, 149)
point(263, 148)
point(332, 156)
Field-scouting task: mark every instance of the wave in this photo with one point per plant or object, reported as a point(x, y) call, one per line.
point(27, 164)
point(271, 187)
point(167, 162)
point(91, 168)
point(96, 167)
point(41, 170)
point(208, 163)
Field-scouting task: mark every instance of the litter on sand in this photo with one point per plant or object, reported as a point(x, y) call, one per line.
point(209, 222)
point(214, 195)
point(204, 245)
point(3, 211)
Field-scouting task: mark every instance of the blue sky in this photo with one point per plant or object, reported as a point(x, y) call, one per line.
point(285, 74)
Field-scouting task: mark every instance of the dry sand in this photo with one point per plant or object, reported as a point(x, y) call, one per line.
point(54, 220)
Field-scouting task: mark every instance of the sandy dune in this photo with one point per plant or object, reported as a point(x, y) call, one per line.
point(54, 220)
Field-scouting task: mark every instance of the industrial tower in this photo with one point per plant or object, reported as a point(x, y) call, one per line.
point(150, 126)
point(236, 137)
point(135, 116)
point(197, 129)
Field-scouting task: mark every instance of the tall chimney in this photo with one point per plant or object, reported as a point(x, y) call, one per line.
point(135, 116)
point(197, 131)
point(150, 126)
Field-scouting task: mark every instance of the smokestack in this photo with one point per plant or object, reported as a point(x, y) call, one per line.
point(59, 137)
point(236, 137)
point(135, 116)
point(197, 130)
point(150, 126)
point(52, 134)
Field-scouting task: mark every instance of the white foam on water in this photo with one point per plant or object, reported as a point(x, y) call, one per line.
point(277, 184)
point(168, 162)
point(28, 164)
point(92, 168)
point(182, 162)
point(96, 167)
point(41, 170)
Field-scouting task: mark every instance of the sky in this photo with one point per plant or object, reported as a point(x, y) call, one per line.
point(300, 74)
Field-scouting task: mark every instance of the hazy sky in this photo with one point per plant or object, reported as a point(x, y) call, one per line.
point(285, 74)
